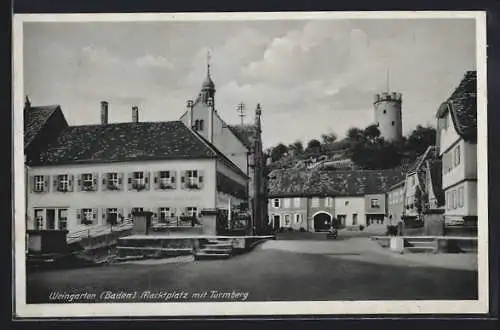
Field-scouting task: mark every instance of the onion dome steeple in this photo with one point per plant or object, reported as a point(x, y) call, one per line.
point(208, 86)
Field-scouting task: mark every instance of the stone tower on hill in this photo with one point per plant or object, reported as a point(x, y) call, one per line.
point(388, 118)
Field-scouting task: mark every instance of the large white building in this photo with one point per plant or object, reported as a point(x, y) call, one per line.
point(457, 139)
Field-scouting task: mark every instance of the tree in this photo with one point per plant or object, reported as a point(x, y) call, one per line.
point(329, 138)
point(296, 147)
point(371, 133)
point(279, 151)
point(355, 134)
point(420, 139)
point(314, 146)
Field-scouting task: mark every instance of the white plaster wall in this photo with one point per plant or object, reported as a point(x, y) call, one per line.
point(470, 200)
point(148, 199)
point(354, 205)
point(448, 136)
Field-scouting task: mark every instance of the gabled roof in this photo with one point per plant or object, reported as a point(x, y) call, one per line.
point(294, 182)
point(34, 120)
point(462, 105)
point(245, 133)
point(125, 142)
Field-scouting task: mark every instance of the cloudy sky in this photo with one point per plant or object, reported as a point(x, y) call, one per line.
point(311, 77)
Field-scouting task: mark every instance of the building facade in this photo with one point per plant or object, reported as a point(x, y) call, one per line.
point(316, 200)
point(396, 202)
point(457, 136)
point(95, 175)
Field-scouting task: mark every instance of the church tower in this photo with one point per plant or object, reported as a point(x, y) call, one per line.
point(207, 92)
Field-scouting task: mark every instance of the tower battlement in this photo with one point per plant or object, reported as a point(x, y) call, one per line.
point(390, 97)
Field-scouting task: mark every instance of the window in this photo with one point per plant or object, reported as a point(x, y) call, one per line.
point(346, 203)
point(137, 210)
point(375, 203)
point(315, 202)
point(191, 211)
point(87, 216)
point(166, 179)
point(385, 111)
point(296, 202)
point(354, 219)
point(87, 182)
point(298, 218)
point(62, 222)
point(454, 199)
point(457, 156)
point(63, 182)
point(113, 181)
point(39, 183)
point(164, 213)
point(393, 123)
point(193, 179)
point(286, 202)
point(201, 125)
point(276, 203)
point(139, 177)
point(112, 216)
point(287, 219)
point(412, 180)
point(461, 197)
point(38, 219)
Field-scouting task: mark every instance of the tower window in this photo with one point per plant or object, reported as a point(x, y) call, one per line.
point(200, 127)
point(385, 111)
point(393, 123)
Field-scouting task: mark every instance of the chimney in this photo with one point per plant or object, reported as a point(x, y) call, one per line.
point(189, 105)
point(135, 114)
point(104, 113)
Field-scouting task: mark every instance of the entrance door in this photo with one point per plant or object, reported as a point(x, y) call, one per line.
point(322, 222)
point(276, 222)
point(51, 219)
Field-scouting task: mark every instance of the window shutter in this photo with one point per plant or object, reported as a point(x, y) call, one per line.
point(94, 214)
point(71, 178)
point(156, 181)
point(79, 182)
point(46, 183)
point(32, 183)
point(130, 181)
point(121, 212)
point(183, 179)
point(120, 179)
point(78, 214)
point(104, 181)
point(96, 181)
point(55, 182)
point(103, 212)
point(173, 211)
point(173, 176)
point(146, 179)
point(201, 177)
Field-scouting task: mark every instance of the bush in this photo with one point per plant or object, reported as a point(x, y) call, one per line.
point(361, 227)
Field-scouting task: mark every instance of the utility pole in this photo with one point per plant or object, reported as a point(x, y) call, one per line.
point(241, 111)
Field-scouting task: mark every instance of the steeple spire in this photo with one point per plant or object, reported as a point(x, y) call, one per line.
point(208, 63)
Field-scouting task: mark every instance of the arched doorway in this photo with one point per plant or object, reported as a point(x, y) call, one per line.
point(322, 221)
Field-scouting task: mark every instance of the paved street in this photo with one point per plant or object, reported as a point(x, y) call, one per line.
point(351, 268)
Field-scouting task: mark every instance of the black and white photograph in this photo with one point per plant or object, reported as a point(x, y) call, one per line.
point(250, 164)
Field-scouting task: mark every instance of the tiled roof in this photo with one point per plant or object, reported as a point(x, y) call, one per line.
point(463, 106)
point(294, 182)
point(34, 120)
point(244, 133)
point(125, 142)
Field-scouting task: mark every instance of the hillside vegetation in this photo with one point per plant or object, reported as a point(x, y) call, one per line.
point(361, 148)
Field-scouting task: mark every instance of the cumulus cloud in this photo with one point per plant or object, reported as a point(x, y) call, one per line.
point(150, 61)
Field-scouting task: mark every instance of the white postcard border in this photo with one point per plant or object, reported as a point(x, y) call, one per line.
point(22, 309)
